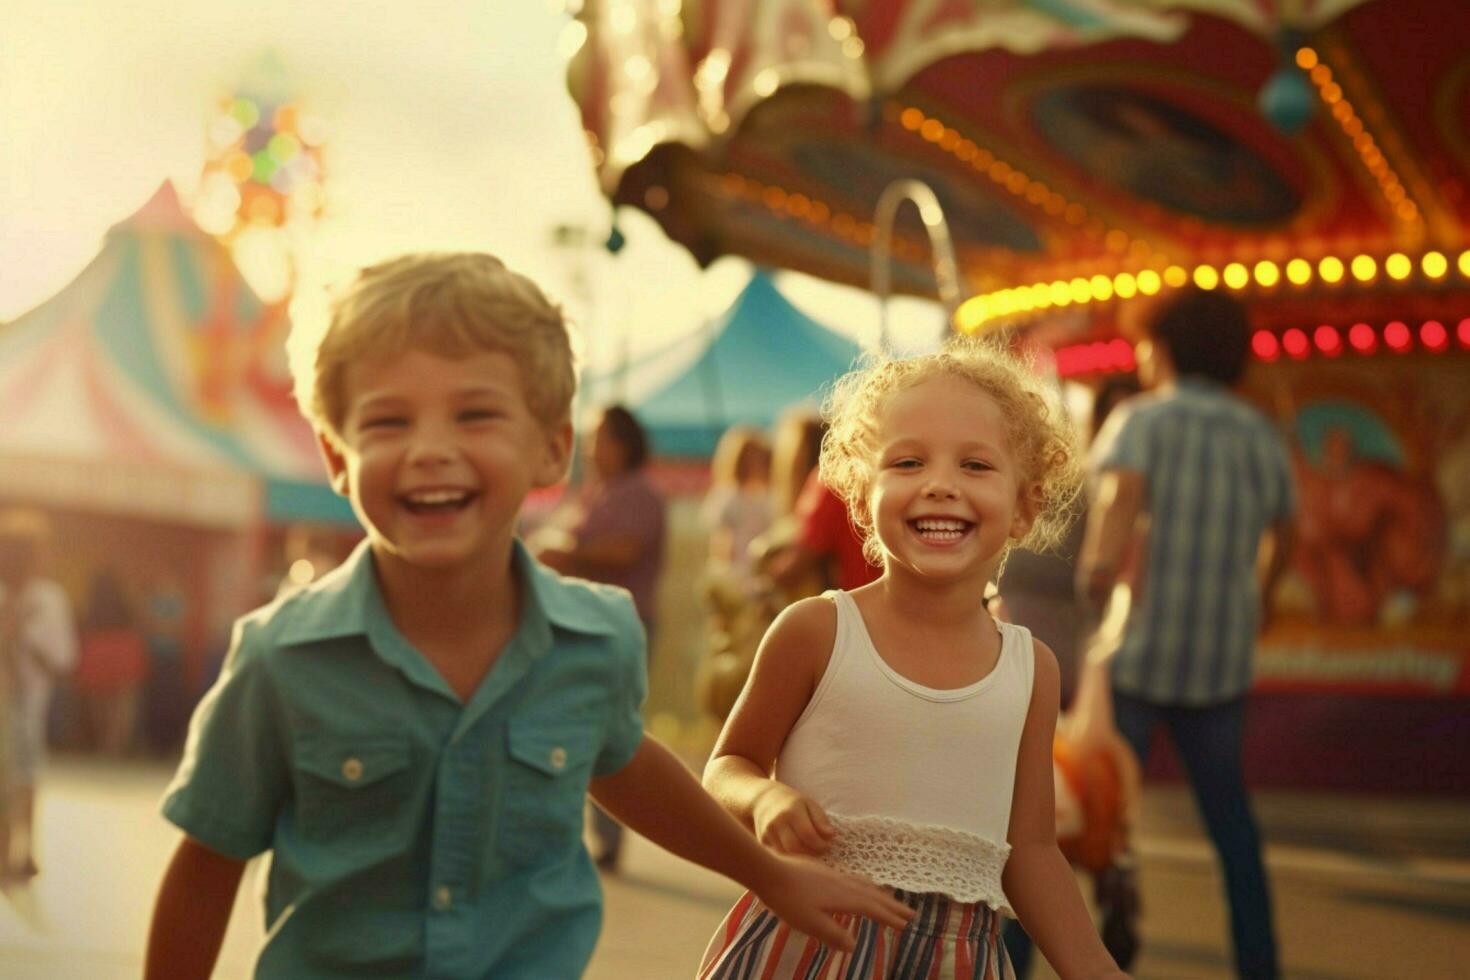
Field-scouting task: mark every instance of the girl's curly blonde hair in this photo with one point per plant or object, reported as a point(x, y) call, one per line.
point(1038, 432)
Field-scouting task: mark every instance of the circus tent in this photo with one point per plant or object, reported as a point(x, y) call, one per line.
point(154, 385)
point(764, 356)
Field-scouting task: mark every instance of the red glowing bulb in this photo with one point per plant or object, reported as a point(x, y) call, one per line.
point(1434, 336)
point(1295, 343)
point(1328, 340)
point(1463, 331)
point(1362, 338)
point(1396, 335)
point(1266, 346)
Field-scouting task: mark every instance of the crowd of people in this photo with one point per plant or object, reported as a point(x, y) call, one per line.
point(939, 618)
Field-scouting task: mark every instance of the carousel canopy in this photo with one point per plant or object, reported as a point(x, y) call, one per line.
point(1312, 154)
point(155, 384)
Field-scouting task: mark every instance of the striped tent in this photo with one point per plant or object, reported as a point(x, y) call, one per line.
point(155, 385)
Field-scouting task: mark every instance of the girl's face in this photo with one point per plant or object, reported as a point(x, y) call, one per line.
point(947, 494)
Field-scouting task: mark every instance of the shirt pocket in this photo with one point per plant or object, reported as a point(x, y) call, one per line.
point(351, 789)
point(545, 786)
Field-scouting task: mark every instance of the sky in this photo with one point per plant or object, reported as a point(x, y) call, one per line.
point(448, 127)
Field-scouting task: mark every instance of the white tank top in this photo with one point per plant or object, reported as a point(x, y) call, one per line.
point(917, 780)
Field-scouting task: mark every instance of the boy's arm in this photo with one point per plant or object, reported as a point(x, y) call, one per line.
point(191, 913)
point(1037, 879)
point(658, 797)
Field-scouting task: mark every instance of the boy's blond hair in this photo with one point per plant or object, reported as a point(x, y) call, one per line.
point(451, 304)
point(1038, 432)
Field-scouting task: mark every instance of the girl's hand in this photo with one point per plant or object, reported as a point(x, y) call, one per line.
point(789, 823)
point(807, 896)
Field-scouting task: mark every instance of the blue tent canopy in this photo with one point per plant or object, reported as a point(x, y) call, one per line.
point(765, 355)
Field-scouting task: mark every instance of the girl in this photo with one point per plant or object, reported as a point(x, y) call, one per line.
point(737, 509)
point(909, 732)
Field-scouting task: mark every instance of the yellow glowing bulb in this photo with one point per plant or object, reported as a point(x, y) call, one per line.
point(1060, 294)
point(1125, 285)
point(1149, 282)
point(1236, 276)
point(1364, 268)
point(1081, 290)
point(1299, 271)
point(1267, 274)
point(1398, 266)
point(1041, 295)
point(1330, 269)
point(1205, 277)
point(1464, 263)
point(1175, 276)
point(1102, 288)
point(1434, 264)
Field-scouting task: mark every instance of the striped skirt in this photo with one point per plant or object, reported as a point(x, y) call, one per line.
point(946, 940)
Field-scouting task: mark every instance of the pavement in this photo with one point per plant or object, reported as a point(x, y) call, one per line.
point(1364, 887)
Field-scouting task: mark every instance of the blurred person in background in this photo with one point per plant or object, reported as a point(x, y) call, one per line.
point(738, 509)
point(38, 641)
point(1038, 590)
point(165, 700)
point(112, 666)
point(614, 533)
point(1212, 477)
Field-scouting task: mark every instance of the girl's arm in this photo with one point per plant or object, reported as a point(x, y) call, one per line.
point(791, 658)
point(1037, 880)
point(191, 913)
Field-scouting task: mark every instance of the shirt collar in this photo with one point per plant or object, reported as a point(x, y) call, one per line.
point(348, 602)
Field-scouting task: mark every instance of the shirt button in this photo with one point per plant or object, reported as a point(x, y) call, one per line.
point(558, 758)
point(352, 770)
point(442, 897)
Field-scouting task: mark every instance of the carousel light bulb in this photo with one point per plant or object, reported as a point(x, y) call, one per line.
point(1396, 335)
point(1149, 282)
point(1434, 264)
point(1362, 338)
point(1205, 277)
point(1463, 332)
point(1267, 274)
point(1398, 266)
point(1364, 268)
point(1125, 285)
point(1306, 59)
point(1295, 343)
point(1330, 270)
point(1236, 276)
point(1299, 271)
point(1060, 294)
point(1434, 336)
point(1102, 288)
point(1175, 276)
point(1464, 263)
point(1328, 340)
point(1081, 290)
point(1265, 345)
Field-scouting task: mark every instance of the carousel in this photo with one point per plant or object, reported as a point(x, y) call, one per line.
point(1307, 155)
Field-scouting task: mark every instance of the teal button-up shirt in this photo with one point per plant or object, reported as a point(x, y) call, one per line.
point(412, 834)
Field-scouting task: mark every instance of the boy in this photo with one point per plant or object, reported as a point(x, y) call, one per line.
point(413, 736)
point(1213, 478)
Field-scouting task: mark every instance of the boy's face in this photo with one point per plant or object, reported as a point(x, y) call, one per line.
point(437, 454)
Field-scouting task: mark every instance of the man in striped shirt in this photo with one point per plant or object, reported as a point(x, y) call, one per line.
point(1203, 481)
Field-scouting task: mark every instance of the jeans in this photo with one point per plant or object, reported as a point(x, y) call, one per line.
point(1209, 742)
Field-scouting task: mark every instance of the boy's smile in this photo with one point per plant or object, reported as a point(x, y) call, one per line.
point(945, 495)
point(438, 454)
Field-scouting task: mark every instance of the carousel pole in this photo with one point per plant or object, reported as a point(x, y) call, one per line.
point(941, 248)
